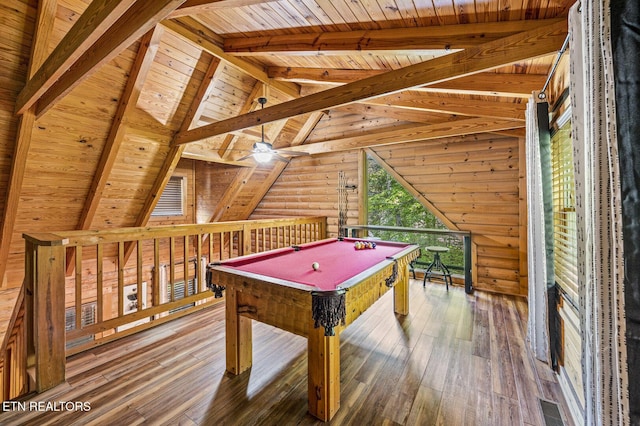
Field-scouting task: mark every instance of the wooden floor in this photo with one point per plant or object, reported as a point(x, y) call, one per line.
point(457, 359)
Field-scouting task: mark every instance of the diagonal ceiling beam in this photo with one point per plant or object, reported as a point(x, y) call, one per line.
point(43, 29)
point(530, 44)
point(192, 7)
point(249, 105)
point(89, 27)
point(137, 76)
point(397, 40)
point(451, 105)
point(369, 110)
point(413, 191)
point(128, 100)
point(175, 152)
point(191, 30)
point(134, 23)
point(486, 83)
point(412, 134)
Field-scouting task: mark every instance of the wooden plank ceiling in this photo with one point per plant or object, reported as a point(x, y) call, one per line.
point(403, 70)
point(414, 63)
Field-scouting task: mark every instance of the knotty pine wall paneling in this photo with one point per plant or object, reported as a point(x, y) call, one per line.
point(18, 21)
point(309, 187)
point(475, 182)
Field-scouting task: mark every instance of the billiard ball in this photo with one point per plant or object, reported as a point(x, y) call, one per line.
point(315, 266)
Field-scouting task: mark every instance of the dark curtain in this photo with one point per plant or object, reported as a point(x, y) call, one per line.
point(625, 39)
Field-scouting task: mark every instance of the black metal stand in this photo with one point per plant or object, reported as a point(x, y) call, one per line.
point(437, 265)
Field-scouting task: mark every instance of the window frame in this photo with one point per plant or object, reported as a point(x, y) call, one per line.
point(178, 184)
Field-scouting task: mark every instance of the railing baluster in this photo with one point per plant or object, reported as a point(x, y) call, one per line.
point(156, 272)
point(172, 267)
point(78, 295)
point(99, 280)
point(139, 274)
point(199, 278)
point(185, 265)
point(120, 278)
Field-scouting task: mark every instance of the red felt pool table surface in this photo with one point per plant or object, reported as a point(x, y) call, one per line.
point(338, 259)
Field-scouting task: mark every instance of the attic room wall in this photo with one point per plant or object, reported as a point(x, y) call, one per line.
point(212, 179)
point(309, 187)
point(475, 182)
point(69, 139)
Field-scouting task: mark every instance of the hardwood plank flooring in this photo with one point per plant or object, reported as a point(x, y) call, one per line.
point(456, 359)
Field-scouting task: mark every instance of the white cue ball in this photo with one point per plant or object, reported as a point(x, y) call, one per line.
point(315, 266)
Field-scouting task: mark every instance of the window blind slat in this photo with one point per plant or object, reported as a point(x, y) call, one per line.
point(563, 187)
point(171, 200)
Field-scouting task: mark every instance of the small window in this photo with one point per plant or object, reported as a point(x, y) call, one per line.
point(564, 213)
point(171, 202)
point(88, 312)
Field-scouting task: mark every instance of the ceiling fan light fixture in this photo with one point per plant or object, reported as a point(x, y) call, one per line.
point(262, 152)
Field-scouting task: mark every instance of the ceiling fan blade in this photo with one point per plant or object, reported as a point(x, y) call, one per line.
point(280, 157)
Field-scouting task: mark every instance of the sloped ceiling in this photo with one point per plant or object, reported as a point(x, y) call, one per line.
point(117, 92)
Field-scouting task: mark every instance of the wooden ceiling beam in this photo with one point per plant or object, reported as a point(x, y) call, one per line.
point(412, 134)
point(193, 7)
point(483, 84)
point(45, 19)
point(249, 105)
point(89, 27)
point(173, 156)
point(127, 103)
point(398, 40)
point(191, 30)
point(108, 39)
point(525, 45)
point(369, 110)
point(452, 105)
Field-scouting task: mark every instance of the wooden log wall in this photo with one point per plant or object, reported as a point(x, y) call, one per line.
point(476, 182)
point(309, 185)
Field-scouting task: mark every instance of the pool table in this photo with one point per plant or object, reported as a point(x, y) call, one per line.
point(281, 288)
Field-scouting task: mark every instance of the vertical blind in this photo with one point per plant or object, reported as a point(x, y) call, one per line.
point(564, 212)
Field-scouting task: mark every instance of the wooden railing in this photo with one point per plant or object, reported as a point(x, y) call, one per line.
point(465, 236)
point(13, 353)
point(122, 281)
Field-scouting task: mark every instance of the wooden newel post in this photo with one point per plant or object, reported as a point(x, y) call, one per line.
point(46, 299)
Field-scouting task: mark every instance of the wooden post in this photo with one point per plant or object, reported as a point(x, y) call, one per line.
point(239, 335)
point(47, 276)
point(324, 372)
point(401, 291)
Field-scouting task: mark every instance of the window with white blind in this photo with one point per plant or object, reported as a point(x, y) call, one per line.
point(564, 212)
point(87, 312)
point(172, 200)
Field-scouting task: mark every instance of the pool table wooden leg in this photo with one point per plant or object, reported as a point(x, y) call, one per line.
point(401, 292)
point(238, 338)
point(324, 373)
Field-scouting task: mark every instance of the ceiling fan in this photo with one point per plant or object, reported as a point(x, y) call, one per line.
point(263, 151)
